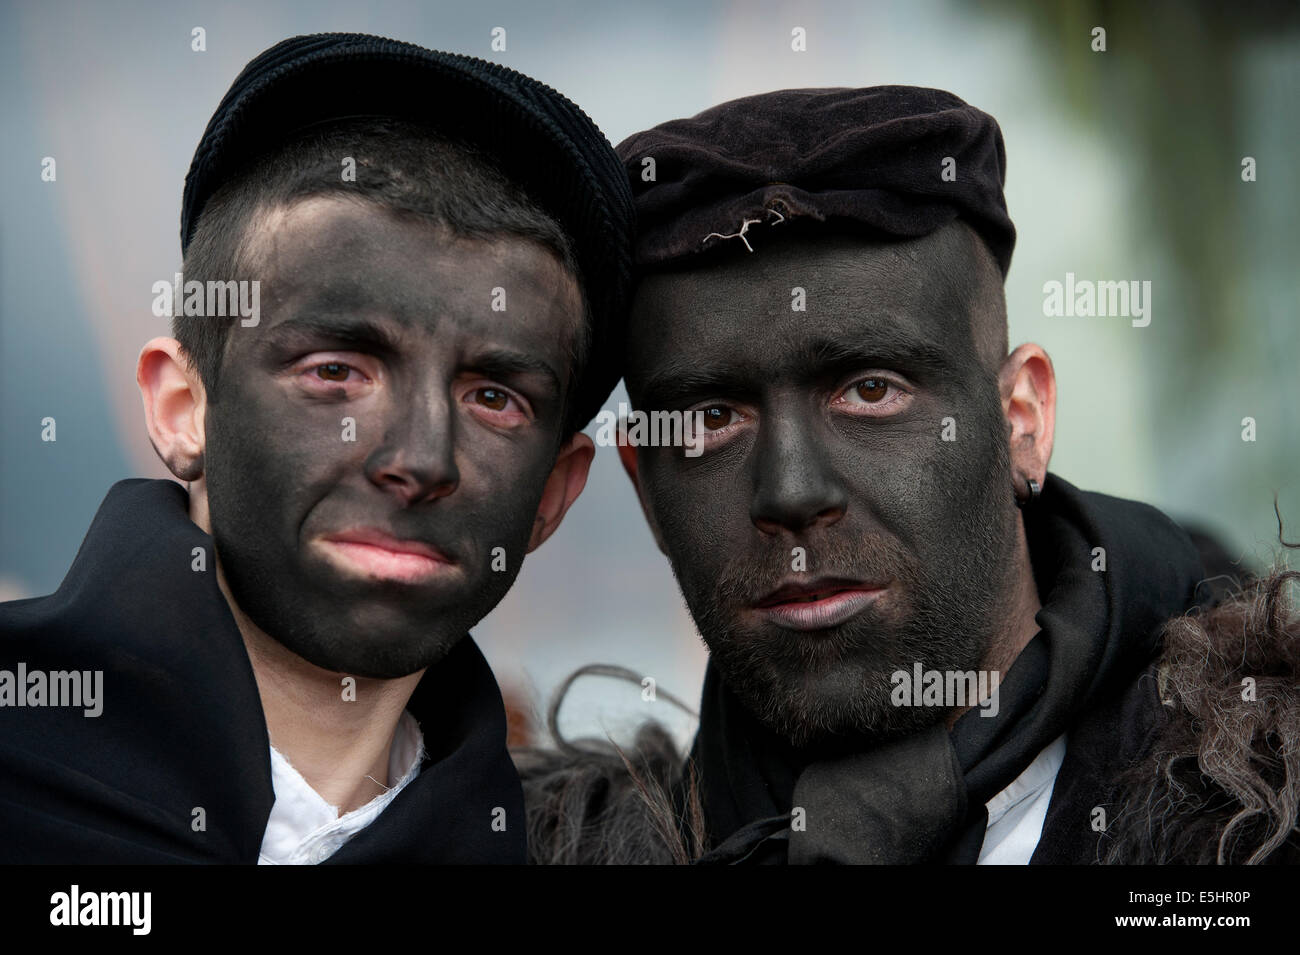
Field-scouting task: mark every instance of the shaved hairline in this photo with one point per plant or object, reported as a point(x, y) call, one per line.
point(979, 272)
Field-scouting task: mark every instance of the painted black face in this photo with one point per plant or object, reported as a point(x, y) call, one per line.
point(382, 397)
point(851, 513)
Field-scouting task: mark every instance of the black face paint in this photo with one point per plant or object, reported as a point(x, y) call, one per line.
point(387, 321)
point(829, 437)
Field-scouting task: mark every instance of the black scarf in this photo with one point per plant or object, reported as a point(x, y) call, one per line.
point(182, 727)
point(921, 798)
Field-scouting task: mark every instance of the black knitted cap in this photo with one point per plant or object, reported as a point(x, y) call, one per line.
point(540, 140)
point(870, 160)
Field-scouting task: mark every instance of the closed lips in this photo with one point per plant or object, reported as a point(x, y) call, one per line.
point(383, 541)
point(378, 556)
point(813, 591)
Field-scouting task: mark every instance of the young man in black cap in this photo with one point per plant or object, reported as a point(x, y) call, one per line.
point(271, 663)
point(923, 646)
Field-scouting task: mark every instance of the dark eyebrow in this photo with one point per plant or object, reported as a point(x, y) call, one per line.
point(506, 364)
point(680, 379)
point(347, 329)
point(890, 346)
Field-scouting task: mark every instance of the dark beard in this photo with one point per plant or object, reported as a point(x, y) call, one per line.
point(946, 608)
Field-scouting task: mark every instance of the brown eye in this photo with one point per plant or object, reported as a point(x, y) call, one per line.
point(333, 371)
point(873, 389)
point(716, 417)
point(492, 398)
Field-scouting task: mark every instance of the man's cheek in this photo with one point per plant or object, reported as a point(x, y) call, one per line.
point(500, 495)
point(890, 486)
point(263, 474)
point(928, 473)
point(273, 466)
point(701, 528)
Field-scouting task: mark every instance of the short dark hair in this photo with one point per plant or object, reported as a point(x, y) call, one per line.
point(400, 166)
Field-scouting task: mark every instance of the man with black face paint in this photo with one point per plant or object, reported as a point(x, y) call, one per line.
point(921, 642)
point(432, 248)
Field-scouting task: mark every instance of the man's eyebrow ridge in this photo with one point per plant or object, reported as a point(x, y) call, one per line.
point(889, 346)
point(357, 330)
point(676, 379)
point(504, 362)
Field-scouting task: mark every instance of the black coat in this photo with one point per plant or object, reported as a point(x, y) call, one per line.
point(182, 725)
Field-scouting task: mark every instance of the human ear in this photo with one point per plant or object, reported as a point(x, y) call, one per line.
point(567, 479)
point(174, 406)
point(627, 455)
point(1027, 384)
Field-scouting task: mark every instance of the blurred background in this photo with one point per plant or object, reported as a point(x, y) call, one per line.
point(1122, 165)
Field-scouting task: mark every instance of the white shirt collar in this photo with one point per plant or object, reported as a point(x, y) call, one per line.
point(1017, 813)
point(303, 829)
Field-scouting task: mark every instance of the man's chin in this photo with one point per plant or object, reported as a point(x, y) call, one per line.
point(377, 660)
point(811, 712)
point(375, 653)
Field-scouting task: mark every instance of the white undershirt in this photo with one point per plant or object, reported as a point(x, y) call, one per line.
point(303, 829)
point(1017, 813)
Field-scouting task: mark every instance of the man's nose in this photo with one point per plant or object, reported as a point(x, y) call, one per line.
point(796, 485)
point(416, 460)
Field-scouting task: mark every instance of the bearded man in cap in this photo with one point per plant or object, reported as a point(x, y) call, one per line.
point(441, 245)
point(924, 647)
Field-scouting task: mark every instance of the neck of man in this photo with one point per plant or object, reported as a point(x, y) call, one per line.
point(1020, 607)
point(340, 744)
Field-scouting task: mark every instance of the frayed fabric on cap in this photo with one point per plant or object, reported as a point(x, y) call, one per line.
point(896, 161)
point(540, 139)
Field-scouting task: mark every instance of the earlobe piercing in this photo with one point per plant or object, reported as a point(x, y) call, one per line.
point(1034, 490)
